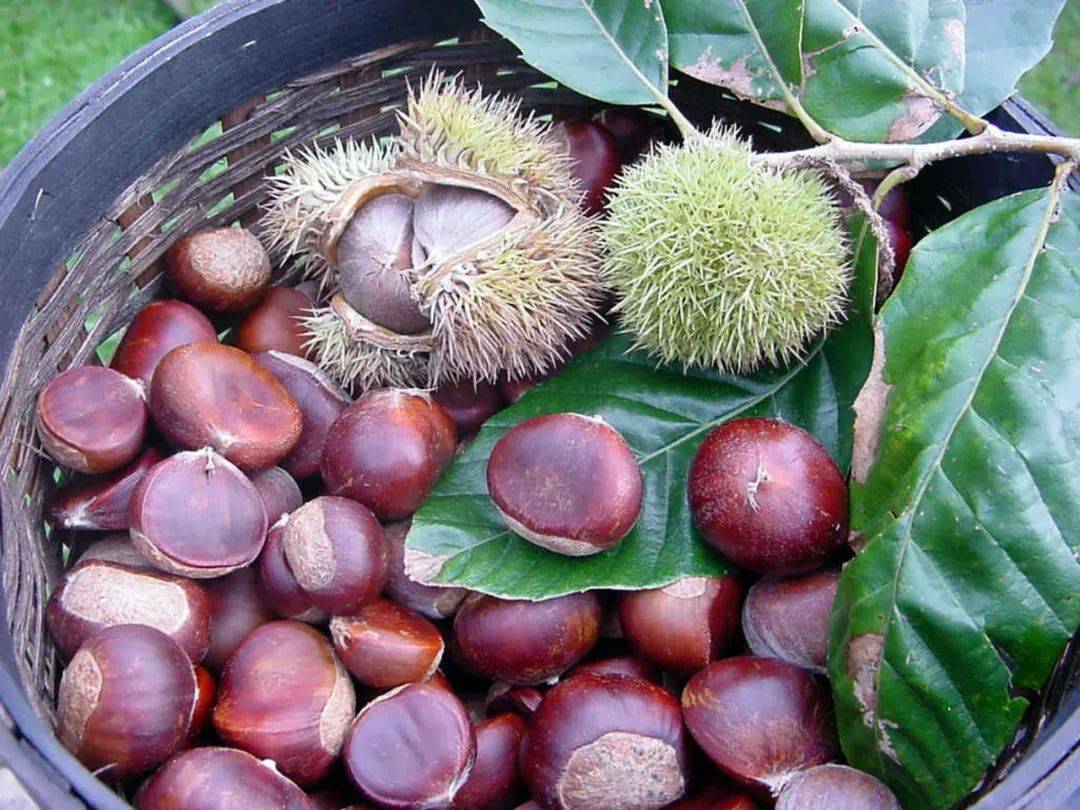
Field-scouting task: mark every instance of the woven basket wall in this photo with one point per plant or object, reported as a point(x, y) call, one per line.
point(216, 180)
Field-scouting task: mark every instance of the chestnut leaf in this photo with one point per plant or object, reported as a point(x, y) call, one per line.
point(458, 538)
point(965, 594)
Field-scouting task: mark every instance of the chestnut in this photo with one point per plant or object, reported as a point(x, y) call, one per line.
point(100, 503)
point(274, 323)
point(125, 701)
point(279, 492)
point(605, 741)
point(210, 395)
point(412, 747)
point(320, 399)
point(335, 550)
point(96, 594)
point(594, 159)
point(682, 626)
point(619, 665)
point(117, 548)
point(634, 130)
point(284, 696)
point(236, 608)
point(433, 601)
point(566, 482)
point(92, 419)
point(157, 329)
point(760, 720)
point(205, 693)
point(197, 515)
point(717, 797)
point(219, 269)
point(387, 450)
point(219, 779)
point(901, 242)
point(280, 591)
point(494, 782)
point(788, 618)
point(504, 697)
point(766, 495)
point(469, 404)
point(524, 642)
point(837, 787)
point(385, 645)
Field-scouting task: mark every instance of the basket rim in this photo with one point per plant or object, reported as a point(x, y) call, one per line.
point(1048, 772)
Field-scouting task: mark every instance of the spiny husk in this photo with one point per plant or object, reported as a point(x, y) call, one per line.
point(718, 261)
point(358, 364)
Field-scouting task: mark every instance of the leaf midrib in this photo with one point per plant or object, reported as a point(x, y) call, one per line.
point(653, 89)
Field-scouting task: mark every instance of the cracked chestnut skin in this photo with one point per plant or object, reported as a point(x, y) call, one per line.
point(605, 741)
point(767, 496)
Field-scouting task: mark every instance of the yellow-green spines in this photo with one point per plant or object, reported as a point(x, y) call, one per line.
point(718, 261)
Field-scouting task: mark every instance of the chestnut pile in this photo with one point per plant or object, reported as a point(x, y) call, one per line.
point(239, 630)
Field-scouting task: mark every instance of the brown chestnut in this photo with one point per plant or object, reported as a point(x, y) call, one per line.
point(279, 492)
point(634, 130)
point(95, 594)
point(117, 548)
point(495, 782)
point(760, 720)
point(685, 625)
point(274, 324)
point(280, 591)
point(836, 787)
point(412, 747)
point(210, 395)
point(717, 797)
point(219, 269)
point(284, 696)
point(566, 482)
point(594, 159)
point(433, 601)
point(387, 450)
point(236, 608)
point(320, 399)
point(504, 697)
point(92, 419)
point(469, 404)
point(385, 645)
point(125, 701)
point(788, 618)
point(767, 496)
point(605, 741)
point(157, 329)
point(619, 665)
point(197, 515)
point(100, 503)
point(525, 642)
point(219, 779)
point(205, 693)
point(336, 551)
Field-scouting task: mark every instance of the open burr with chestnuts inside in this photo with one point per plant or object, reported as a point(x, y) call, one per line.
point(254, 634)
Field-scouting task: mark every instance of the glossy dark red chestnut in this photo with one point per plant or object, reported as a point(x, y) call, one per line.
point(566, 482)
point(433, 601)
point(605, 741)
point(95, 594)
point(385, 645)
point(685, 625)
point(634, 130)
point(412, 747)
point(504, 697)
point(594, 159)
point(901, 242)
point(210, 395)
point(335, 549)
point(387, 450)
point(494, 782)
point(766, 495)
point(837, 787)
point(320, 399)
point(788, 618)
point(469, 404)
point(760, 720)
point(283, 695)
point(92, 419)
point(274, 324)
point(125, 701)
point(525, 642)
point(219, 779)
point(100, 503)
point(280, 591)
point(279, 492)
point(196, 515)
point(717, 797)
point(236, 608)
point(219, 270)
point(205, 696)
point(619, 665)
point(157, 329)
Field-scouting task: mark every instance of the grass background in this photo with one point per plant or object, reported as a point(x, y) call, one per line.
point(52, 49)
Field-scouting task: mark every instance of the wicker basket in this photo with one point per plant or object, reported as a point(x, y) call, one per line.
point(181, 136)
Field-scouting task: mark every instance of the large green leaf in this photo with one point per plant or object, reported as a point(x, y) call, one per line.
point(613, 50)
point(969, 586)
point(868, 70)
point(664, 413)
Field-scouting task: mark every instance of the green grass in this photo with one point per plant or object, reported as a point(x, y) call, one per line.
point(1054, 86)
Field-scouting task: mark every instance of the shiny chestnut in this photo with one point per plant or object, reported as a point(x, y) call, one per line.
point(495, 782)
point(279, 492)
point(594, 159)
point(385, 645)
point(236, 608)
point(99, 503)
point(836, 787)
point(157, 329)
point(275, 323)
point(281, 593)
point(469, 404)
point(433, 601)
point(788, 618)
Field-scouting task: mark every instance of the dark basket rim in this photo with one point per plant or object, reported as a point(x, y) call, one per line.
point(1048, 773)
